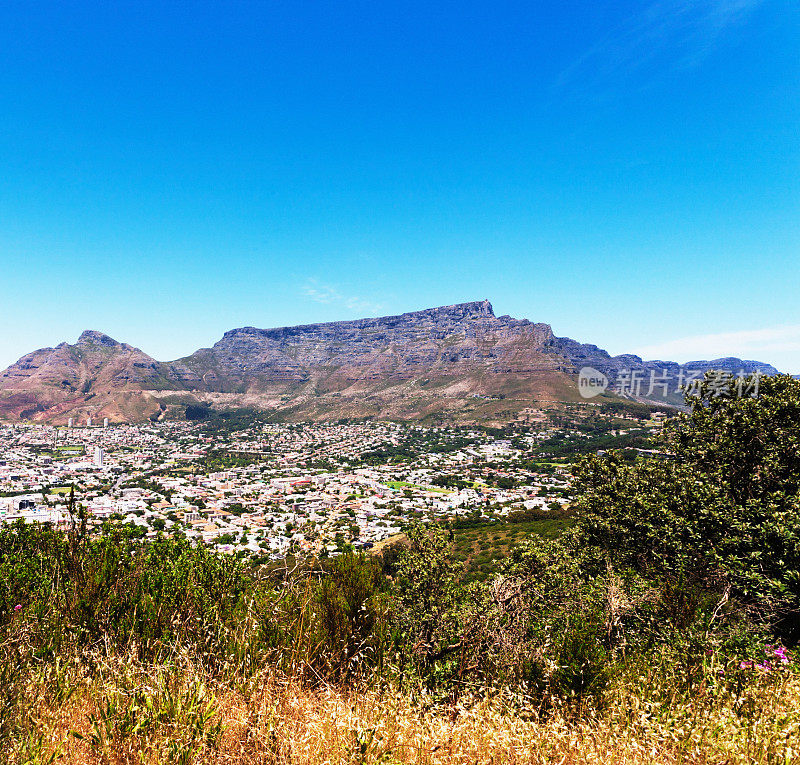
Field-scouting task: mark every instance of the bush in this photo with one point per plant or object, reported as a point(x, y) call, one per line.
point(350, 613)
point(721, 514)
point(114, 589)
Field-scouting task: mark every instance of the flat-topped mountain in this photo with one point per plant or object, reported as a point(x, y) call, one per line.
point(460, 362)
point(462, 339)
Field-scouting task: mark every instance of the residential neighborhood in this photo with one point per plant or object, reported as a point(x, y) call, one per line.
point(268, 489)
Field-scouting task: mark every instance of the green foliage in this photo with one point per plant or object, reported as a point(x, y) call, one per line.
point(221, 460)
point(751, 446)
point(220, 422)
point(111, 588)
point(564, 644)
point(197, 411)
point(559, 448)
point(722, 515)
point(451, 481)
point(426, 596)
point(663, 567)
point(629, 409)
point(185, 711)
point(485, 544)
point(349, 608)
point(415, 443)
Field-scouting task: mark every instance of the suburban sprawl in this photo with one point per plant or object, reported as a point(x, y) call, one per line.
point(267, 490)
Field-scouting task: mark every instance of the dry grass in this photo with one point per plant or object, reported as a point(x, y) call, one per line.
point(125, 714)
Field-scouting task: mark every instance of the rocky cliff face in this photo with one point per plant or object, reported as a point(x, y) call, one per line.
point(459, 361)
point(452, 340)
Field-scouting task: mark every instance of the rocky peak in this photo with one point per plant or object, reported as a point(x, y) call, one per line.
point(478, 309)
point(93, 337)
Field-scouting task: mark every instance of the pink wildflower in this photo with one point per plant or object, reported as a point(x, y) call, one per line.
point(780, 652)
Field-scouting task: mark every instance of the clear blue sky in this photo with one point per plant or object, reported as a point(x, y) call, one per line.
point(628, 172)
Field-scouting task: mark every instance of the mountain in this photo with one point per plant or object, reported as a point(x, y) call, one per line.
point(458, 362)
point(97, 376)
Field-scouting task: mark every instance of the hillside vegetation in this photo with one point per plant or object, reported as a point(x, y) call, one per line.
point(658, 625)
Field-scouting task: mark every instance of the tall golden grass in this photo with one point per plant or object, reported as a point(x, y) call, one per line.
point(113, 711)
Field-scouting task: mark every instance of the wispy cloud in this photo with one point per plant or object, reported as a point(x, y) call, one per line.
point(760, 344)
point(330, 294)
point(674, 34)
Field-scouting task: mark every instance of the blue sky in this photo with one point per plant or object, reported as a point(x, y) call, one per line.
point(628, 172)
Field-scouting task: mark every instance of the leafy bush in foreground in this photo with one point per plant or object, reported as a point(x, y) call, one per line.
point(721, 517)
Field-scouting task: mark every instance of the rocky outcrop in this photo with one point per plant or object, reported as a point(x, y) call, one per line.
point(645, 379)
point(96, 363)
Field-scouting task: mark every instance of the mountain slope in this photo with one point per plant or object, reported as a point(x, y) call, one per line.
point(96, 376)
point(457, 362)
point(452, 340)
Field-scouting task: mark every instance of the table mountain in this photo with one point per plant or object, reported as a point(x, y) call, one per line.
point(457, 362)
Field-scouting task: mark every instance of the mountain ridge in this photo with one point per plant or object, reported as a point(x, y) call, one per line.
point(456, 362)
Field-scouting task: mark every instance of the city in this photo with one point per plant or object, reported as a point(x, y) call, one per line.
point(267, 490)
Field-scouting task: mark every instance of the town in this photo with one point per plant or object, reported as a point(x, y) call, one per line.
point(266, 490)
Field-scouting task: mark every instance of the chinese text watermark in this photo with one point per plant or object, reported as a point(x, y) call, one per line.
point(634, 383)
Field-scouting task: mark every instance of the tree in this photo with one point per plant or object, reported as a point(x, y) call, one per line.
point(197, 412)
point(427, 592)
point(722, 512)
